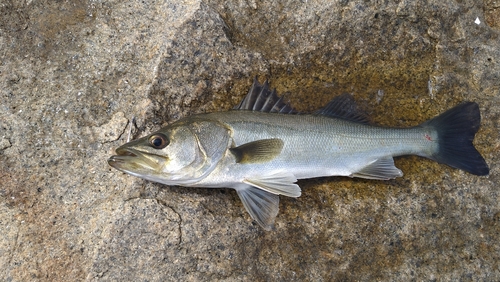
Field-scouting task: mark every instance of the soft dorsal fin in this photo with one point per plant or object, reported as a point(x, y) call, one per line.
point(261, 99)
point(343, 107)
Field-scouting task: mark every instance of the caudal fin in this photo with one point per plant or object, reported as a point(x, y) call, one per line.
point(456, 129)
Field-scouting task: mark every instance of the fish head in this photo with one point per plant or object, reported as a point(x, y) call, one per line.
point(173, 155)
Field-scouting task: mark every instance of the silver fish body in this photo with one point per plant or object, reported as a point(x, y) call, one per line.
point(263, 147)
point(313, 145)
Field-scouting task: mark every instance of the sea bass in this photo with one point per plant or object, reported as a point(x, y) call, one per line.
point(262, 146)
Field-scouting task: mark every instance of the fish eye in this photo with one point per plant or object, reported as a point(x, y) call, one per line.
point(158, 141)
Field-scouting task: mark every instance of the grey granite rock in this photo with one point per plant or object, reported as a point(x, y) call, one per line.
point(74, 74)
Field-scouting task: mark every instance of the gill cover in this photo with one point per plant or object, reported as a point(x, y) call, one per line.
point(212, 141)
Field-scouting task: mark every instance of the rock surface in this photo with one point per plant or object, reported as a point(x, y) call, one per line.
point(73, 74)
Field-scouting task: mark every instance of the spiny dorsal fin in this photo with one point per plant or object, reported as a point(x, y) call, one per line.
point(343, 107)
point(261, 99)
point(259, 151)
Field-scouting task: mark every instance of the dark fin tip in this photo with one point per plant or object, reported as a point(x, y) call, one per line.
point(456, 130)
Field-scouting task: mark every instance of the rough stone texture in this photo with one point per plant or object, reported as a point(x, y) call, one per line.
point(73, 74)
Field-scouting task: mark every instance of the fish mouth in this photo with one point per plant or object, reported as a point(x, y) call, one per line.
point(124, 155)
point(126, 152)
point(133, 161)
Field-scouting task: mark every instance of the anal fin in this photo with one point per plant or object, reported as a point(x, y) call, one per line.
point(380, 169)
point(261, 205)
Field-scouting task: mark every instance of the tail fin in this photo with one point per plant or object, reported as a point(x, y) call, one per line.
point(456, 129)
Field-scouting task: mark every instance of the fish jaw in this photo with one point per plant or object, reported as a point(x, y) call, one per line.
point(137, 163)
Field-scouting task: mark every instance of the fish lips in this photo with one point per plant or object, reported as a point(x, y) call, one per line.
point(133, 161)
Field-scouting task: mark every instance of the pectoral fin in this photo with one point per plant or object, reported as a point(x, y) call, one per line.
point(261, 205)
point(380, 169)
point(259, 151)
point(279, 183)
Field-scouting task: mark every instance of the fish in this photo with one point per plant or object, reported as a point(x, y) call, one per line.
point(263, 146)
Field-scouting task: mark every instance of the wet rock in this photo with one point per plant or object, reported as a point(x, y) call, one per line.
point(74, 75)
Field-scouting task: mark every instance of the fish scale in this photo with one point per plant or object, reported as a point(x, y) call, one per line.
point(317, 146)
